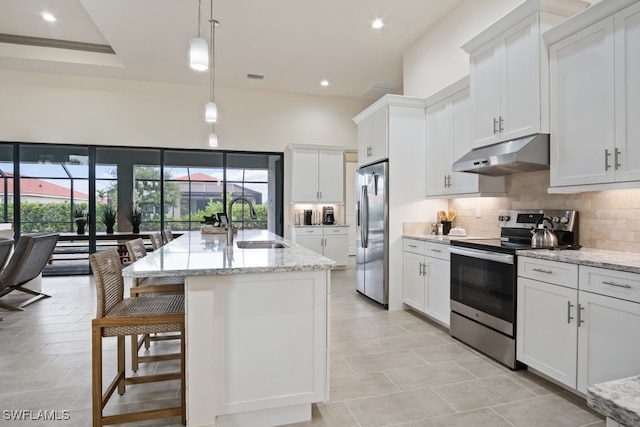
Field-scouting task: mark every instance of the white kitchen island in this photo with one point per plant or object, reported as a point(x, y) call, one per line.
point(257, 327)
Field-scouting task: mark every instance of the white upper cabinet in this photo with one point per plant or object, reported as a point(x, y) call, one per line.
point(317, 174)
point(448, 118)
point(381, 124)
point(595, 99)
point(508, 72)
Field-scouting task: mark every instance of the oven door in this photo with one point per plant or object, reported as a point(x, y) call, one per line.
point(483, 285)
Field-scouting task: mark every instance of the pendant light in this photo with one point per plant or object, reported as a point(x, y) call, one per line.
point(198, 50)
point(210, 108)
point(213, 138)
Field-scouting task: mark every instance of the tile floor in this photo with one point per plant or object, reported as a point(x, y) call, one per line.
point(387, 369)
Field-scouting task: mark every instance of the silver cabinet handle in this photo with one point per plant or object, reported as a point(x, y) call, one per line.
point(569, 305)
point(310, 231)
point(436, 250)
point(445, 181)
point(501, 121)
point(580, 321)
point(420, 269)
point(616, 157)
point(495, 126)
point(606, 159)
point(618, 285)
point(319, 195)
point(539, 270)
point(411, 246)
point(336, 231)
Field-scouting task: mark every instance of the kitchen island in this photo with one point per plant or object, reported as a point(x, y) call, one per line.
point(256, 322)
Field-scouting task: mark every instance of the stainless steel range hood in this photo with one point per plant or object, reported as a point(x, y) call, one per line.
point(527, 154)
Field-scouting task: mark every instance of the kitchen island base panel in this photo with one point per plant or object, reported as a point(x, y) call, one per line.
point(267, 417)
point(257, 346)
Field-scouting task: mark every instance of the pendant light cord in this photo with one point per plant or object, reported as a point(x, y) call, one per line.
point(199, 15)
point(213, 23)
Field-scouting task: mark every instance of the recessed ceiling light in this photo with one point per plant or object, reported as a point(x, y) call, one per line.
point(324, 82)
point(377, 23)
point(48, 17)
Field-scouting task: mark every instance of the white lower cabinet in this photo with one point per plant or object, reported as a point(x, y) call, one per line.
point(575, 336)
point(332, 242)
point(426, 278)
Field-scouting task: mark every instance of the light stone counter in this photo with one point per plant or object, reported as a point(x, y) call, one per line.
point(613, 260)
point(435, 238)
point(618, 400)
point(257, 327)
point(197, 254)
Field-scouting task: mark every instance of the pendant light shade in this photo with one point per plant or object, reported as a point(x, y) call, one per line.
point(213, 139)
point(199, 54)
point(210, 112)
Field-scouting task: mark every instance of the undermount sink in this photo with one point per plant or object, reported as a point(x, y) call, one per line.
point(261, 244)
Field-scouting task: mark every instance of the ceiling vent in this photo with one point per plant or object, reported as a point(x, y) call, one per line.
point(58, 44)
point(255, 76)
point(380, 89)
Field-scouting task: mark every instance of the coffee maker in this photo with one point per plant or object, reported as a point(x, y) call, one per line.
point(328, 216)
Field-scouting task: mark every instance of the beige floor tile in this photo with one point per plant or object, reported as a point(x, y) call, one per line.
point(535, 383)
point(555, 410)
point(340, 368)
point(483, 367)
point(361, 385)
point(329, 415)
point(383, 361)
point(340, 349)
point(424, 376)
point(482, 393)
point(477, 418)
point(398, 408)
point(444, 353)
point(408, 341)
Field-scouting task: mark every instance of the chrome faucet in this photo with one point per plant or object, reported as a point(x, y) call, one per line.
point(252, 212)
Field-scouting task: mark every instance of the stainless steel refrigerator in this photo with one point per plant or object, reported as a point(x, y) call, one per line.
point(372, 232)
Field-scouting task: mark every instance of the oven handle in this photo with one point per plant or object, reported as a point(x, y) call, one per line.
point(486, 255)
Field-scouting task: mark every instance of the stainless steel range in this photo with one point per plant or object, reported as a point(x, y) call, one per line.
point(483, 279)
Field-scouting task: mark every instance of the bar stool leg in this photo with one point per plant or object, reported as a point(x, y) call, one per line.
point(121, 365)
point(96, 374)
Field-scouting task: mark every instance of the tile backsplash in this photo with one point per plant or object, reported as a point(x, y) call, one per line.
point(608, 219)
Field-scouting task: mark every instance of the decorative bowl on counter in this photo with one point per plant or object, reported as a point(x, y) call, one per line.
point(457, 232)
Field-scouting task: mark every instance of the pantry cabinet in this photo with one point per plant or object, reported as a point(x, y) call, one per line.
point(426, 278)
point(317, 174)
point(448, 121)
point(508, 72)
point(595, 95)
point(575, 327)
point(330, 241)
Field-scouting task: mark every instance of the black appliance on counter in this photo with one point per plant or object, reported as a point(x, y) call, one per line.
point(328, 216)
point(484, 280)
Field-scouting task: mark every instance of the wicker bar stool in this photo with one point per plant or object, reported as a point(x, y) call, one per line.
point(149, 286)
point(167, 235)
point(118, 317)
point(156, 240)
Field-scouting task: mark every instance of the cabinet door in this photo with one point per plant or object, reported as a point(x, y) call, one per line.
point(485, 94)
point(331, 176)
point(413, 282)
point(438, 160)
point(520, 94)
point(365, 140)
point(627, 94)
point(546, 329)
point(461, 144)
point(438, 290)
point(312, 242)
point(304, 176)
point(608, 345)
point(582, 110)
point(336, 247)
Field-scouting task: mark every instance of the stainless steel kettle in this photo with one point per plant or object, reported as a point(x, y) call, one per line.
point(543, 237)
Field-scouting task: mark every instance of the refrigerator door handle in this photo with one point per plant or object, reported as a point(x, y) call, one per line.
point(358, 213)
point(365, 217)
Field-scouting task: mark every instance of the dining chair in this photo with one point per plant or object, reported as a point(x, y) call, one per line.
point(156, 240)
point(167, 235)
point(117, 316)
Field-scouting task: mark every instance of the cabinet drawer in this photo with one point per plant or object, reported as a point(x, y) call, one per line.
point(308, 231)
point(557, 273)
point(415, 246)
point(336, 231)
point(438, 250)
point(613, 283)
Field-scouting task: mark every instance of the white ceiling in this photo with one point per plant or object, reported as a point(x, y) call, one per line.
point(293, 43)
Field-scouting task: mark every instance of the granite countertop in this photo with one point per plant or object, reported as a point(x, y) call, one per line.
point(618, 400)
point(197, 254)
point(320, 225)
point(613, 260)
point(435, 238)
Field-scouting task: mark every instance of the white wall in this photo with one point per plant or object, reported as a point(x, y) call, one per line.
point(435, 60)
point(36, 107)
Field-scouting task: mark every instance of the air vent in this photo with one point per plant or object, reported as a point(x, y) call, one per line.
point(53, 43)
point(255, 76)
point(380, 89)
